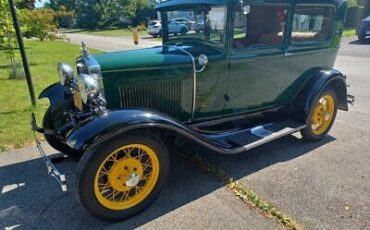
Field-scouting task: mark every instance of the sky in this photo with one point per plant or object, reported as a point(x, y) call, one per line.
point(40, 3)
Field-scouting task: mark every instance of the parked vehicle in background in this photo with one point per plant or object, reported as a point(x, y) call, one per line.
point(155, 28)
point(258, 71)
point(199, 25)
point(189, 23)
point(363, 29)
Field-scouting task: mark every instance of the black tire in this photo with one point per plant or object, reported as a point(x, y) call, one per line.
point(97, 156)
point(53, 140)
point(183, 31)
point(362, 38)
point(308, 132)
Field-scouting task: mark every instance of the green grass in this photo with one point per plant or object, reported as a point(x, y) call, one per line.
point(106, 32)
point(15, 109)
point(349, 32)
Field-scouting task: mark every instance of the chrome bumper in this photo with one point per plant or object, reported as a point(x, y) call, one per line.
point(52, 170)
point(351, 99)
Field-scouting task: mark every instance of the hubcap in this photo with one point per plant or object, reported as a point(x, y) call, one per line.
point(323, 115)
point(126, 177)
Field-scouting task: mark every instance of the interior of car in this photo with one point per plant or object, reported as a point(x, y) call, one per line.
point(265, 25)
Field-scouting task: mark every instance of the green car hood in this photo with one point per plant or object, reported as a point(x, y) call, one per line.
point(142, 58)
point(159, 56)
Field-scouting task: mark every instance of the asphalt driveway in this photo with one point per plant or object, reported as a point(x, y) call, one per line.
point(323, 185)
point(110, 44)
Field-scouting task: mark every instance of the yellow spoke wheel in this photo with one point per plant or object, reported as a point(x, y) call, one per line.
point(126, 177)
point(323, 114)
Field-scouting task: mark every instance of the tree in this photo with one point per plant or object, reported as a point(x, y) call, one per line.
point(56, 5)
point(26, 4)
point(92, 14)
point(7, 33)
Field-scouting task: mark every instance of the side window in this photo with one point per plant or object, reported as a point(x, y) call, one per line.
point(262, 25)
point(312, 23)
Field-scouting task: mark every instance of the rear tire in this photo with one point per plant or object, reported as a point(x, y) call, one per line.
point(321, 117)
point(53, 140)
point(121, 177)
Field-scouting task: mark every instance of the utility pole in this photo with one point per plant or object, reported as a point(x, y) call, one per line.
point(23, 52)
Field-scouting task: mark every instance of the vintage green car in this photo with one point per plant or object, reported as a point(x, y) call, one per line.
point(254, 72)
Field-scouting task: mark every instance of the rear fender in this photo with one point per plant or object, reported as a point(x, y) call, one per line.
point(317, 82)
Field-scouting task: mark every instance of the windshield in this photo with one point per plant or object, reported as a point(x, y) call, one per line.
point(203, 23)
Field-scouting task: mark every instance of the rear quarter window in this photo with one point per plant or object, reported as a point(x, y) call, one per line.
point(312, 23)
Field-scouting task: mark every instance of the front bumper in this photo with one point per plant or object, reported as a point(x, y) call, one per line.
point(52, 170)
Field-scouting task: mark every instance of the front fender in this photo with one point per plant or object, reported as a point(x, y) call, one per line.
point(118, 122)
point(56, 93)
point(61, 101)
point(317, 82)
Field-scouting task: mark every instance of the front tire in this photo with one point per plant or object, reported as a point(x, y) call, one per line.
point(321, 117)
point(122, 176)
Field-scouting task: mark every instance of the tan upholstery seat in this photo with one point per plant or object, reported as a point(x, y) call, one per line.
point(275, 38)
point(304, 36)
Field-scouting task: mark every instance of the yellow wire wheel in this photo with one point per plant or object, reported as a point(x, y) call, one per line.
point(120, 177)
point(323, 114)
point(126, 177)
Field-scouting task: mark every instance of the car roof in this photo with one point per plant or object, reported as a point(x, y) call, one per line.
point(174, 3)
point(166, 4)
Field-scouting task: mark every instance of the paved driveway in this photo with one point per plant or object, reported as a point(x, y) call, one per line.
point(323, 185)
point(110, 44)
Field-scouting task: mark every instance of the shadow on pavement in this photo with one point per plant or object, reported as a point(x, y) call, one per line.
point(30, 199)
point(358, 42)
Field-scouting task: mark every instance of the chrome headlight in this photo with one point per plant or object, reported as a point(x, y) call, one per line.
point(65, 73)
point(89, 87)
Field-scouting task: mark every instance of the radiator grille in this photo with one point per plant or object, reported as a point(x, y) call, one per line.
point(164, 96)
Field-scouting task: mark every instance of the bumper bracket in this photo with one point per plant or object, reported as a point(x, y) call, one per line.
point(52, 170)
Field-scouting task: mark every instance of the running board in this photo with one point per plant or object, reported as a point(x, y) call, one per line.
point(247, 139)
point(273, 136)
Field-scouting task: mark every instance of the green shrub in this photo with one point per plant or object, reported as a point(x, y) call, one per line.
point(39, 23)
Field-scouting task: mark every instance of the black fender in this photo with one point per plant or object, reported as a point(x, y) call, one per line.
point(116, 123)
point(317, 81)
point(56, 93)
point(61, 101)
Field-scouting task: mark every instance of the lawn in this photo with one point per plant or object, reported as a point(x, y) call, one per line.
point(15, 109)
point(349, 32)
point(106, 32)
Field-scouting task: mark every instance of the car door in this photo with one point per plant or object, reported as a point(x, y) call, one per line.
point(257, 63)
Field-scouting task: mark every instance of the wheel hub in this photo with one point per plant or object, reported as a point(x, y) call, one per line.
point(125, 174)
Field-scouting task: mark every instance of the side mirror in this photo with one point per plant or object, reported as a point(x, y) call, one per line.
point(241, 7)
point(246, 9)
point(202, 61)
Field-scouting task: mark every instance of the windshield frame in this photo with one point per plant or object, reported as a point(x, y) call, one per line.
point(165, 23)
